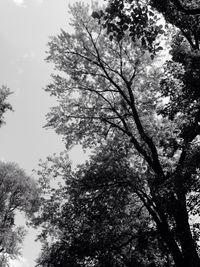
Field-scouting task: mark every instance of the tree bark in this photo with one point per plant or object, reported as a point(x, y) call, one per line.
point(187, 243)
point(171, 244)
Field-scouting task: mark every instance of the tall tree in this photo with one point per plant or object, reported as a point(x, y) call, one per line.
point(110, 87)
point(18, 192)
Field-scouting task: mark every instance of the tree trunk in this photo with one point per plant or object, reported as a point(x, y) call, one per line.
point(188, 247)
point(163, 228)
point(171, 244)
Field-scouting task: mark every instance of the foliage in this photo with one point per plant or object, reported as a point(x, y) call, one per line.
point(18, 192)
point(4, 105)
point(95, 91)
point(189, 25)
point(192, 9)
point(134, 14)
point(109, 87)
point(180, 85)
point(97, 215)
point(136, 19)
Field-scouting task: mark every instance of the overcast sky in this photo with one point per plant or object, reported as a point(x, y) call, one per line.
point(25, 26)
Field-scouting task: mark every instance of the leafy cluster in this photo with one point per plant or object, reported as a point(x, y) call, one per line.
point(136, 19)
point(18, 192)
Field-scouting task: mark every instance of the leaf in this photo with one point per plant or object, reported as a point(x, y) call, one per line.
point(95, 15)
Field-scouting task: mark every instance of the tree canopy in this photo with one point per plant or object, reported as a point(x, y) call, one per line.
point(18, 192)
point(96, 215)
point(141, 117)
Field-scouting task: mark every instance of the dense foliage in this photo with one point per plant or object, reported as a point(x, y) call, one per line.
point(96, 216)
point(18, 192)
point(141, 117)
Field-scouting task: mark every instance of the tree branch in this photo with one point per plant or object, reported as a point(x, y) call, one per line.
point(180, 7)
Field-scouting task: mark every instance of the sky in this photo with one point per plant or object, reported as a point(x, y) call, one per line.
point(25, 27)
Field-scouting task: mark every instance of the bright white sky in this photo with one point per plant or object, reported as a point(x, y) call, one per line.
point(25, 26)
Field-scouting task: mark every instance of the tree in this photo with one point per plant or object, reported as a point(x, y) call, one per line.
point(18, 192)
point(96, 217)
point(4, 105)
point(113, 88)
